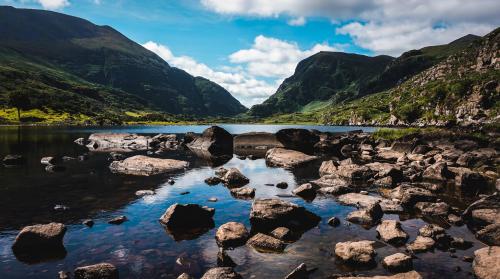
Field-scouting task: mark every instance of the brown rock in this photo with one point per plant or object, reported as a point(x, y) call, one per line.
point(146, 166)
point(266, 243)
point(221, 273)
point(408, 275)
point(421, 244)
point(398, 262)
point(486, 263)
point(273, 213)
point(97, 271)
point(391, 231)
point(231, 234)
point(286, 158)
point(360, 252)
point(40, 236)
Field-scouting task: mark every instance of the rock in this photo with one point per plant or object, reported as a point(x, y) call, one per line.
point(483, 212)
point(221, 273)
point(408, 275)
point(421, 149)
point(224, 260)
point(331, 180)
point(54, 168)
point(471, 181)
point(254, 140)
point(115, 156)
point(282, 185)
point(220, 172)
point(61, 207)
point(118, 142)
point(48, 161)
point(387, 170)
point(231, 234)
point(80, 141)
point(398, 262)
point(142, 193)
point(118, 220)
point(64, 275)
point(432, 231)
point(486, 263)
point(409, 195)
point(370, 215)
point(433, 209)
point(455, 220)
point(287, 158)
point(97, 271)
point(387, 155)
point(185, 276)
point(43, 236)
point(460, 243)
point(214, 180)
point(334, 190)
point(272, 213)
point(146, 166)
point(88, 222)
point(299, 272)
point(490, 234)
point(478, 157)
point(403, 146)
point(306, 191)
point(282, 233)
point(438, 171)
point(421, 244)
point(360, 252)
point(214, 140)
point(334, 221)
point(187, 216)
point(354, 172)
point(13, 160)
point(163, 141)
point(297, 139)
point(266, 243)
point(385, 182)
point(357, 199)
point(390, 231)
point(243, 193)
point(328, 167)
point(234, 178)
point(188, 138)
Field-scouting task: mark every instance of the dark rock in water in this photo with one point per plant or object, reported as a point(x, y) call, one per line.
point(256, 140)
point(272, 213)
point(391, 231)
point(299, 272)
point(187, 221)
point(89, 223)
point(215, 140)
point(231, 234)
point(184, 193)
point(83, 157)
point(55, 168)
point(282, 185)
point(360, 252)
point(334, 221)
point(306, 191)
point(409, 195)
point(460, 243)
point(68, 158)
point(297, 139)
point(80, 141)
point(398, 262)
point(490, 234)
point(214, 180)
point(265, 243)
point(171, 182)
point(118, 220)
point(221, 273)
point(234, 178)
point(243, 193)
point(483, 212)
point(40, 243)
point(213, 160)
point(189, 137)
point(13, 160)
point(486, 261)
point(224, 260)
point(97, 271)
point(283, 233)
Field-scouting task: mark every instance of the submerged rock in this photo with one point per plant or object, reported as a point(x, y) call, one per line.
point(398, 262)
point(286, 158)
point(408, 275)
point(97, 271)
point(266, 243)
point(231, 234)
point(146, 166)
point(214, 140)
point(221, 273)
point(272, 213)
point(359, 252)
point(391, 231)
point(486, 263)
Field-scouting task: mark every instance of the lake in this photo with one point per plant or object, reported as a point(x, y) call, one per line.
point(140, 247)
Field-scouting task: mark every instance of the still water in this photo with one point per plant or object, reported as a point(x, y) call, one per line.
point(140, 247)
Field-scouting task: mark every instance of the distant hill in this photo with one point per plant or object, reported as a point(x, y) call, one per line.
point(57, 57)
point(331, 78)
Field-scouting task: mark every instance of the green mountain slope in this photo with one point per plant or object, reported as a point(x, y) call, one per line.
point(45, 46)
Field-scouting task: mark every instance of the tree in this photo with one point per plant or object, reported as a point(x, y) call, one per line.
point(20, 101)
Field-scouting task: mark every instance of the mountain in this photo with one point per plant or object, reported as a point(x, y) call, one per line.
point(57, 53)
point(462, 89)
point(330, 78)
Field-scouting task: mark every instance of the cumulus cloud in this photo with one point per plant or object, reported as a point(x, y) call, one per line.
point(255, 73)
point(53, 4)
point(299, 21)
point(382, 26)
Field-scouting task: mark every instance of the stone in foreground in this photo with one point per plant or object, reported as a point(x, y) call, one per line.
point(97, 271)
point(408, 275)
point(486, 263)
point(367, 216)
point(360, 252)
point(421, 244)
point(221, 273)
point(265, 243)
point(214, 140)
point(231, 234)
point(272, 213)
point(286, 158)
point(39, 237)
point(398, 262)
point(146, 166)
point(390, 231)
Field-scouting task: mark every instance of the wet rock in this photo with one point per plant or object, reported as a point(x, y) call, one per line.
point(334, 190)
point(282, 233)
point(483, 212)
point(243, 193)
point(482, 156)
point(54, 168)
point(398, 262)
point(97, 271)
point(297, 139)
point(214, 180)
point(188, 138)
point(221, 273)
point(331, 180)
point(43, 236)
point(360, 252)
point(334, 221)
point(328, 167)
point(146, 166)
point(306, 191)
point(89, 223)
point(142, 193)
point(61, 207)
point(118, 220)
point(80, 141)
point(234, 178)
point(369, 215)
point(48, 161)
point(231, 234)
point(438, 171)
point(360, 200)
point(214, 140)
point(185, 276)
point(224, 260)
point(287, 158)
point(299, 272)
point(433, 209)
point(409, 195)
point(164, 141)
point(272, 213)
point(213, 199)
point(408, 275)
point(432, 231)
point(187, 216)
point(486, 263)
point(265, 243)
point(13, 160)
point(390, 231)
point(282, 185)
point(490, 234)
point(387, 155)
point(385, 182)
point(421, 244)
point(118, 141)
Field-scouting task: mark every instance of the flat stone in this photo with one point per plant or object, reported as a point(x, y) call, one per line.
point(40, 236)
point(282, 233)
point(221, 273)
point(118, 142)
point(391, 231)
point(398, 262)
point(410, 195)
point(266, 243)
point(286, 158)
point(408, 275)
point(421, 244)
point(97, 271)
point(142, 193)
point(231, 234)
point(361, 200)
point(272, 213)
point(358, 252)
point(368, 216)
point(146, 166)
point(486, 263)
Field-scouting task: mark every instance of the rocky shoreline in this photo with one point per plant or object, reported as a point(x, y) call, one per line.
point(377, 176)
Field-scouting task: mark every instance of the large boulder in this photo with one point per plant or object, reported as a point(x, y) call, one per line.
point(359, 252)
point(43, 236)
point(486, 263)
point(265, 243)
point(490, 234)
point(214, 140)
point(391, 231)
point(287, 158)
point(387, 170)
point(118, 142)
point(438, 171)
point(146, 166)
point(297, 139)
point(221, 273)
point(483, 212)
point(231, 234)
point(96, 271)
point(408, 275)
point(269, 214)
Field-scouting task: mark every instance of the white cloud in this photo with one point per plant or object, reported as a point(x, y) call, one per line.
point(53, 4)
point(255, 73)
point(383, 26)
point(299, 21)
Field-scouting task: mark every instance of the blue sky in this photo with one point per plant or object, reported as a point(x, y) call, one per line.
point(250, 46)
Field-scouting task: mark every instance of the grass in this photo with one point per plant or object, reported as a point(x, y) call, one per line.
point(395, 133)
